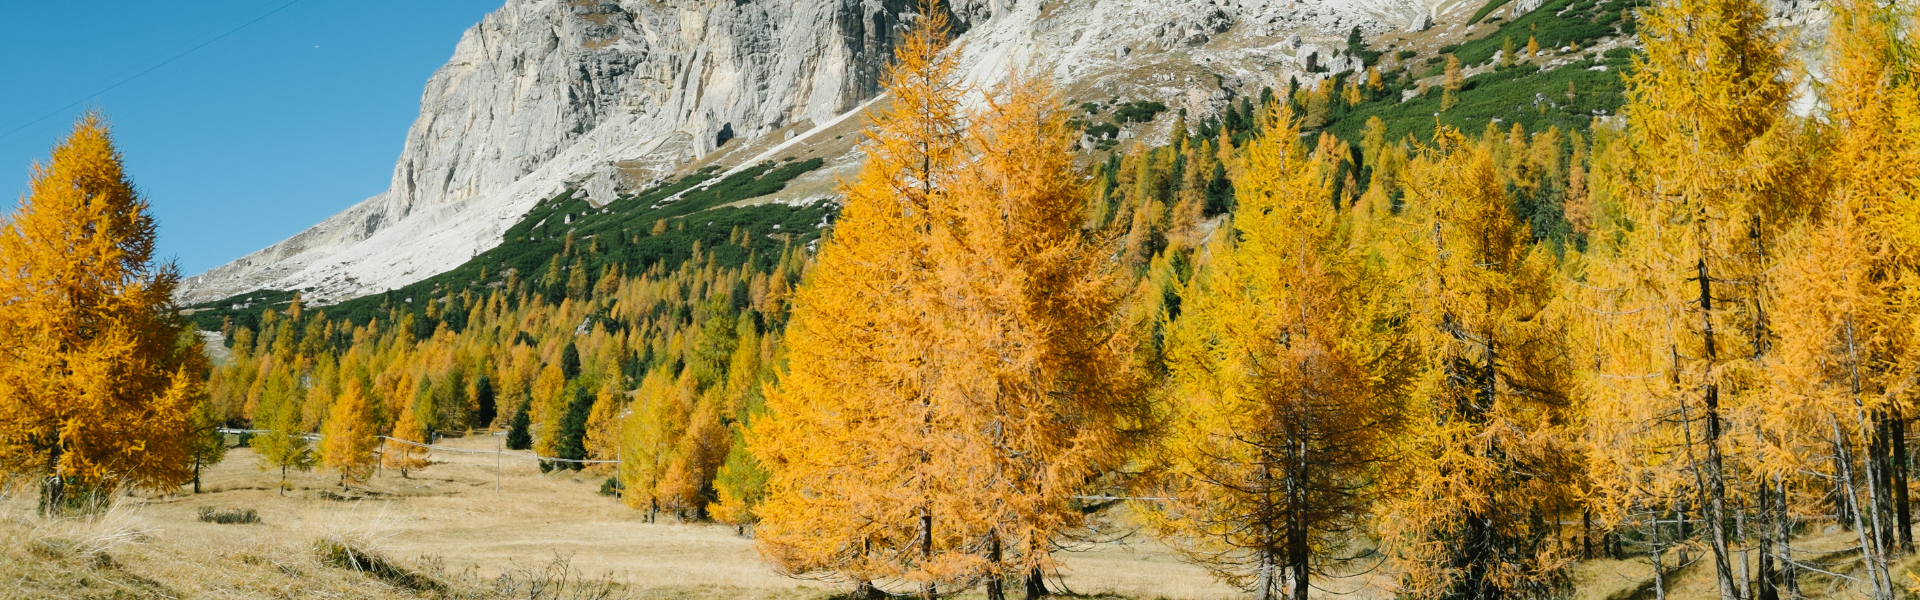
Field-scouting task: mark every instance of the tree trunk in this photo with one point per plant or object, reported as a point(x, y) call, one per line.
point(1036, 584)
point(1860, 529)
point(996, 579)
point(54, 496)
point(1586, 535)
point(1763, 572)
point(1783, 531)
point(1716, 488)
point(1263, 578)
point(1903, 508)
point(196, 476)
point(927, 591)
point(1297, 551)
point(1659, 571)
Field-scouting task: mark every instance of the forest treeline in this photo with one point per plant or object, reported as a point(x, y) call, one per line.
point(1683, 335)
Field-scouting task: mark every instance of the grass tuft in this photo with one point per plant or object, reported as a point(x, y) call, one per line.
point(345, 554)
point(234, 516)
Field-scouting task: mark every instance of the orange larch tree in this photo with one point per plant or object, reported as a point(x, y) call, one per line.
point(95, 383)
point(853, 442)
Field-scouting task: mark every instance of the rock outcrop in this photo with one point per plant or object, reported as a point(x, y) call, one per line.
point(605, 95)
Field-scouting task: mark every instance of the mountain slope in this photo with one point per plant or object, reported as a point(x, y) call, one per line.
point(609, 96)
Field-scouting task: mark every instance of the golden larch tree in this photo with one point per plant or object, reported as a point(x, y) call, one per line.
point(1491, 455)
point(95, 383)
point(350, 436)
point(404, 449)
point(1287, 382)
point(1035, 364)
point(1840, 364)
point(1679, 301)
point(856, 489)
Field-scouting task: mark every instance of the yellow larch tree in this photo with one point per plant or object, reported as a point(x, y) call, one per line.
point(96, 384)
point(1491, 458)
point(404, 449)
point(1288, 380)
point(1035, 364)
point(649, 436)
point(548, 405)
point(1678, 292)
point(1840, 368)
point(350, 436)
point(856, 491)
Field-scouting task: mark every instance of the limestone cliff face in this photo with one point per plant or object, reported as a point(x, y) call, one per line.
point(545, 90)
point(604, 95)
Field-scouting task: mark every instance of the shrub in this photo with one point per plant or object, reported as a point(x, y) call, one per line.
point(234, 516)
point(1138, 112)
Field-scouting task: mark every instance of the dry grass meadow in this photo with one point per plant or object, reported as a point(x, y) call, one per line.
point(445, 532)
point(449, 521)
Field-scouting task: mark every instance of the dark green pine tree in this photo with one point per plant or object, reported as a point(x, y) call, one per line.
point(1219, 192)
point(573, 430)
point(518, 436)
point(570, 361)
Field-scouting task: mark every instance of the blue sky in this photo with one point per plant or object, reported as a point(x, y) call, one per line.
point(245, 141)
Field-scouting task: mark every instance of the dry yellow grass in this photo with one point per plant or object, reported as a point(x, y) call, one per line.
point(450, 515)
point(449, 521)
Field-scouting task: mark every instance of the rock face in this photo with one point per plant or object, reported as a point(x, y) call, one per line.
point(603, 95)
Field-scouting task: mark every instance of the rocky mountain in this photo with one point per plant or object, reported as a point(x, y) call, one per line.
point(609, 96)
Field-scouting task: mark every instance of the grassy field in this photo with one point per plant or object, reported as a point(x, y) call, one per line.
point(555, 536)
point(447, 521)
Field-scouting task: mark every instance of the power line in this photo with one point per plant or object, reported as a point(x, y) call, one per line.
point(149, 70)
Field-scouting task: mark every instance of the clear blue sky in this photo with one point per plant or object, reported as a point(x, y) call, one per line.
point(240, 143)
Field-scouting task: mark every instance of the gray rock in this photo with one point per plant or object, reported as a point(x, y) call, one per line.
point(1422, 22)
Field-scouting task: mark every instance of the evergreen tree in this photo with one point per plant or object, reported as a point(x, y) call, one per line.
point(570, 361)
point(519, 436)
point(573, 430)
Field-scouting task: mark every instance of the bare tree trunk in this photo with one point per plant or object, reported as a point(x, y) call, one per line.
point(1036, 577)
point(1902, 505)
point(1875, 555)
point(1036, 584)
point(1860, 529)
point(54, 495)
point(1783, 529)
point(1586, 535)
point(1659, 570)
point(927, 591)
point(1764, 585)
point(1716, 488)
point(1297, 552)
point(996, 578)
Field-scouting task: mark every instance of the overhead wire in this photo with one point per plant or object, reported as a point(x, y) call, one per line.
point(151, 69)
